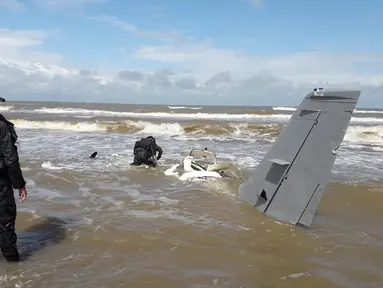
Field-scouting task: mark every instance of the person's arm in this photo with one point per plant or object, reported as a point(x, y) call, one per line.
point(159, 150)
point(135, 147)
point(11, 158)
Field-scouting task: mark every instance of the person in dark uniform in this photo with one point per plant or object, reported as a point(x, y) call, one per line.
point(11, 177)
point(145, 152)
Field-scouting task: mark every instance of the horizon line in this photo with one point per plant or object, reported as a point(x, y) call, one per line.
point(156, 104)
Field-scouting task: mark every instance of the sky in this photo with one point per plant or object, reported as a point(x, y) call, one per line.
point(190, 52)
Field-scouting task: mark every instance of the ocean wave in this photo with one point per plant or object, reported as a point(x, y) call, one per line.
point(368, 111)
point(357, 134)
point(258, 113)
point(356, 111)
point(282, 108)
point(184, 107)
point(163, 115)
point(362, 134)
point(58, 125)
point(283, 118)
point(6, 108)
point(123, 127)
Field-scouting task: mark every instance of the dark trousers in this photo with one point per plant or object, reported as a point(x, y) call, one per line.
point(8, 237)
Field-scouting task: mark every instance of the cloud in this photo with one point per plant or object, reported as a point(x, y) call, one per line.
point(186, 83)
point(304, 67)
point(114, 21)
point(68, 4)
point(170, 36)
point(131, 75)
point(193, 73)
point(20, 46)
point(11, 4)
point(223, 77)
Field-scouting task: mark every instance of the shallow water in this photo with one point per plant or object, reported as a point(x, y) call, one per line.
point(103, 223)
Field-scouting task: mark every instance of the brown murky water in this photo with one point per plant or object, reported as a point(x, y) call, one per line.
point(103, 223)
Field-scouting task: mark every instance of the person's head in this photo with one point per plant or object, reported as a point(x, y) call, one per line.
point(152, 138)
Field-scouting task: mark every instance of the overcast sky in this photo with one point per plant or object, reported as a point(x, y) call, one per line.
point(224, 52)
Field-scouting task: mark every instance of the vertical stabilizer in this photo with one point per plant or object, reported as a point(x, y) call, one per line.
point(289, 181)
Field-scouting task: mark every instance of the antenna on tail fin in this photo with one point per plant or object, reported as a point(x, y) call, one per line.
point(289, 181)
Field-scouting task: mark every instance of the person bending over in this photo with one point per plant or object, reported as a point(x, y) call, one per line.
point(11, 177)
point(145, 152)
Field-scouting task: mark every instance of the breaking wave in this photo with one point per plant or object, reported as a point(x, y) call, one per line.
point(360, 134)
point(251, 112)
point(368, 111)
point(163, 115)
point(256, 116)
point(282, 108)
point(123, 127)
point(371, 135)
point(356, 111)
point(184, 107)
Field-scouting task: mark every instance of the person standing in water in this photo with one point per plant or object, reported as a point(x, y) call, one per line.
point(11, 177)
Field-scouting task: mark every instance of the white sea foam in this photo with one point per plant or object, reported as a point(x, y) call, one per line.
point(57, 125)
point(164, 115)
point(356, 111)
point(6, 108)
point(368, 111)
point(362, 134)
point(184, 107)
point(49, 166)
point(356, 134)
point(282, 108)
point(207, 116)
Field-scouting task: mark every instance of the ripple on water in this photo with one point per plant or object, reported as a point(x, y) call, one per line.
point(146, 229)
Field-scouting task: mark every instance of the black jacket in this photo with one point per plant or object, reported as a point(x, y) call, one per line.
point(148, 144)
point(9, 158)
